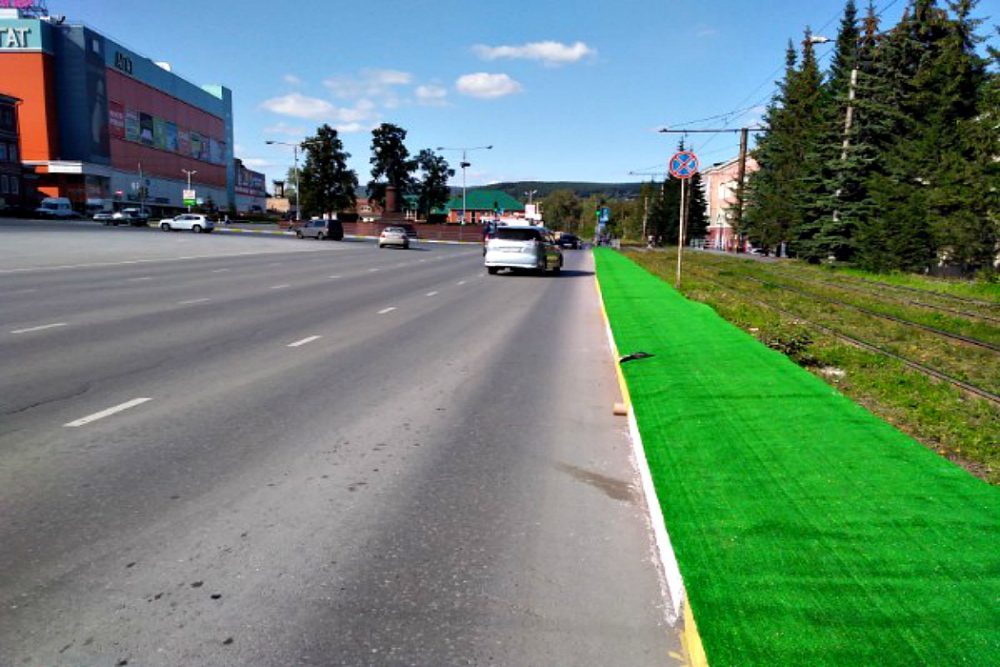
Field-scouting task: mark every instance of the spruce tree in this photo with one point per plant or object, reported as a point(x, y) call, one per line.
point(769, 211)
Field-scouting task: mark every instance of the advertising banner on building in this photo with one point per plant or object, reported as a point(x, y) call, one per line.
point(146, 129)
point(116, 120)
point(159, 133)
point(131, 125)
point(171, 137)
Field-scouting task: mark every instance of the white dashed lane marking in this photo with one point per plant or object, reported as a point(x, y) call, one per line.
point(219, 270)
point(135, 280)
point(192, 301)
point(39, 328)
point(279, 286)
point(304, 341)
point(107, 413)
point(432, 294)
point(386, 310)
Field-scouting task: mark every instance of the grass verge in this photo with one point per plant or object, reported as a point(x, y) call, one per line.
point(807, 530)
point(942, 417)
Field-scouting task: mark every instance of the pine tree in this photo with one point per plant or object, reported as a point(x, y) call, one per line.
point(391, 162)
point(327, 184)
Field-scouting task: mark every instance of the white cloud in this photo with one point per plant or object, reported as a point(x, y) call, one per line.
point(285, 129)
point(299, 106)
point(352, 128)
point(377, 83)
point(549, 52)
point(431, 95)
point(313, 108)
point(487, 86)
point(257, 162)
point(292, 80)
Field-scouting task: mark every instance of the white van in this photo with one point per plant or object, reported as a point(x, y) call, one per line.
point(55, 207)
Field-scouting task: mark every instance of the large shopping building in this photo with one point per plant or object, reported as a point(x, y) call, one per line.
point(99, 121)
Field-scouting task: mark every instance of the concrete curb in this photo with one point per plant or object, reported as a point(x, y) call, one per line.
point(243, 230)
point(671, 581)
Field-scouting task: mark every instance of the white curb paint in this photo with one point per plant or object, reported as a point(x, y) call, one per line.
point(41, 328)
point(304, 341)
point(107, 413)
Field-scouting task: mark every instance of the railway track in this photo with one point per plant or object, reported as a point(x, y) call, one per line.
point(930, 371)
point(874, 313)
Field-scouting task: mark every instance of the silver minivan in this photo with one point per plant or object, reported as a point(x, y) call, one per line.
point(523, 247)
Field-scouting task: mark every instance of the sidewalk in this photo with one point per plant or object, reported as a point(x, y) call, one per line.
point(808, 532)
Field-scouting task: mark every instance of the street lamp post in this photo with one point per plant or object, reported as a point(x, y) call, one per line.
point(295, 159)
point(465, 164)
point(190, 173)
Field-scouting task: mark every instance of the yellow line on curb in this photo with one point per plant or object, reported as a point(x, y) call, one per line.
point(690, 639)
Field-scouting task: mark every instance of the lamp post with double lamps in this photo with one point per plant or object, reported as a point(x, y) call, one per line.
point(465, 164)
point(295, 159)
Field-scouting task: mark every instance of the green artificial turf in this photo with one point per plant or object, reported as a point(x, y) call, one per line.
point(808, 531)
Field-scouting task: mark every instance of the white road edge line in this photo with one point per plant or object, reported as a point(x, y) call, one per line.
point(304, 341)
point(41, 328)
point(432, 294)
point(386, 310)
point(188, 303)
point(107, 413)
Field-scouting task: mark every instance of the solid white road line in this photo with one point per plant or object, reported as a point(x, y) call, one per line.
point(304, 341)
point(41, 328)
point(191, 301)
point(432, 294)
point(107, 413)
point(279, 286)
point(386, 310)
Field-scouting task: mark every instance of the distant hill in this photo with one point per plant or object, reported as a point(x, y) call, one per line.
point(582, 189)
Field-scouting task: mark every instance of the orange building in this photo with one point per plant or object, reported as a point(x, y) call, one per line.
point(101, 123)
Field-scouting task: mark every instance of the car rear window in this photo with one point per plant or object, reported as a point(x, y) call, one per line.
point(508, 234)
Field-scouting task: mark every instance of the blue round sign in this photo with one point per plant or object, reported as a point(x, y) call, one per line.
point(684, 164)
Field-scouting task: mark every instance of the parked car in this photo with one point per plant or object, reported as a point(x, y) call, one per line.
point(58, 208)
point(321, 229)
point(103, 216)
point(569, 241)
point(196, 222)
point(523, 247)
point(395, 236)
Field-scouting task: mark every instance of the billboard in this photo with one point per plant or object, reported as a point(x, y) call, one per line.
point(116, 120)
point(146, 129)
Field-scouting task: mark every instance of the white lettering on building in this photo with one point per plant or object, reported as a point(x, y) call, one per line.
point(14, 38)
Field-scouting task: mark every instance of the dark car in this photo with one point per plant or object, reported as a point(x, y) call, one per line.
point(569, 241)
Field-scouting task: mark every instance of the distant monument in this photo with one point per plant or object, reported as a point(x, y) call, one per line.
point(393, 211)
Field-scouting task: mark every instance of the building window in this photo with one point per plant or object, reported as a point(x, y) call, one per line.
point(15, 186)
point(12, 153)
point(3, 184)
point(7, 118)
point(3, 152)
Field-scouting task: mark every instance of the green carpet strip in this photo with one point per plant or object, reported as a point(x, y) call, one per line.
point(808, 531)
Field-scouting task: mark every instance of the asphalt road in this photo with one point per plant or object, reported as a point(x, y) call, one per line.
point(226, 450)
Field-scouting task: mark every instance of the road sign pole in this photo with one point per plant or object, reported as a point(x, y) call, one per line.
point(680, 231)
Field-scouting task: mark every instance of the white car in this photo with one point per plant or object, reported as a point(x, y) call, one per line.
point(196, 222)
point(394, 236)
point(523, 247)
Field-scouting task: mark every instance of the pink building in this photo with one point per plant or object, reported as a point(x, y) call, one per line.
point(720, 182)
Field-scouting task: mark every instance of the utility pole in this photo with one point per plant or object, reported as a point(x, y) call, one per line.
point(645, 218)
point(190, 173)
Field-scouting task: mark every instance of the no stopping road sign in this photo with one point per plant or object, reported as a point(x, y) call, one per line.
point(684, 164)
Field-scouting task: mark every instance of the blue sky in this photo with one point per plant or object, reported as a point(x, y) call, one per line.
point(568, 90)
